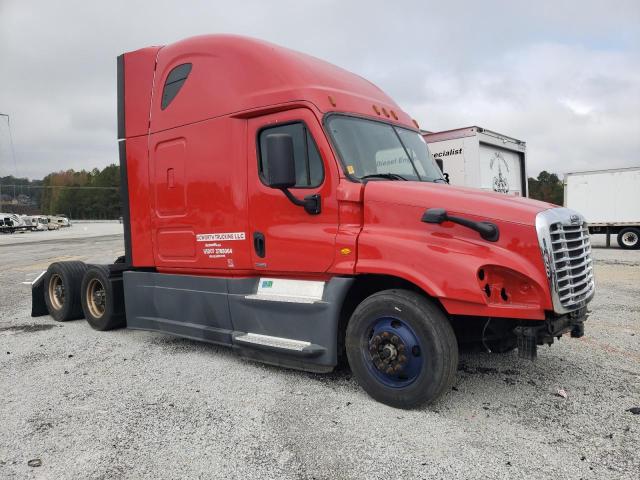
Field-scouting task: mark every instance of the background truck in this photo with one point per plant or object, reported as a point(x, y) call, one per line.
point(480, 158)
point(609, 200)
point(289, 209)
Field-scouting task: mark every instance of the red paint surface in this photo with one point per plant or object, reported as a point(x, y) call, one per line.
point(193, 171)
point(139, 70)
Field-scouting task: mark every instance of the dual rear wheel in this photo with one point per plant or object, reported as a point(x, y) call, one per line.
point(75, 290)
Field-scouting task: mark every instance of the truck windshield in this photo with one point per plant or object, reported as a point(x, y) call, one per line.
point(377, 150)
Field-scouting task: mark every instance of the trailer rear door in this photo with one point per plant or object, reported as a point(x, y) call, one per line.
point(501, 170)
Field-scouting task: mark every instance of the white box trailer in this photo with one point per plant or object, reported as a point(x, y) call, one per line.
point(480, 158)
point(609, 200)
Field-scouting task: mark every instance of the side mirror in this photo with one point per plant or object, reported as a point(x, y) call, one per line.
point(281, 171)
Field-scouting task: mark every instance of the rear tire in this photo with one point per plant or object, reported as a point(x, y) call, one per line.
point(629, 238)
point(401, 348)
point(101, 301)
point(62, 290)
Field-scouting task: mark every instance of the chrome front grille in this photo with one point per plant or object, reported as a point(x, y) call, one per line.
point(566, 249)
point(571, 250)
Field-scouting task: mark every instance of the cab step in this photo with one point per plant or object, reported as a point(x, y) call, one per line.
point(278, 344)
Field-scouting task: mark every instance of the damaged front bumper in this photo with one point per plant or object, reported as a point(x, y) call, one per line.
point(544, 333)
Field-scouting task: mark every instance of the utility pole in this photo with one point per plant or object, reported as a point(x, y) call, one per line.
point(13, 153)
point(2, 115)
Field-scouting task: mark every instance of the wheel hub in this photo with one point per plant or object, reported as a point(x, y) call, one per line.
point(387, 353)
point(394, 352)
point(56, 291)
point(96, 298)
point(630, 238)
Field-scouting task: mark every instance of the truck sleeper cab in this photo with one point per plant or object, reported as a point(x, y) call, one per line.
point(291, 210)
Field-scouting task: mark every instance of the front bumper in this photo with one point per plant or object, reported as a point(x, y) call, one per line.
point(544, 333)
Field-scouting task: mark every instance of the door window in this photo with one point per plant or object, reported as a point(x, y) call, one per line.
point(309, 169)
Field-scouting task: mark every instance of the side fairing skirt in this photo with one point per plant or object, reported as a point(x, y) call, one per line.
point(292, 331)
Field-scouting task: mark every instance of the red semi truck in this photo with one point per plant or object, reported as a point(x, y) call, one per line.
point(289, 209)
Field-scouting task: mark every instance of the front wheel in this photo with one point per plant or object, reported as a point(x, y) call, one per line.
point(629, 238)
point(401, 348)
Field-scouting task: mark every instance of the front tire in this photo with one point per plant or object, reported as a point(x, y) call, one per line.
point(102, 301)
point(62, 290)
point(629, 238)
point(401, 348)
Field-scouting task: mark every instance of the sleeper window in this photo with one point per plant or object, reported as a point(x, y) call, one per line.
point(309, 169)
point(173, 84)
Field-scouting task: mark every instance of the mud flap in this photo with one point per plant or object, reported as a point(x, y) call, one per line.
point(38, 305)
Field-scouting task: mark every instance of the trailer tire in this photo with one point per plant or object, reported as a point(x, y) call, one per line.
point(629, 238)
point(101, 300)
point(62, 290)
point(401, 348)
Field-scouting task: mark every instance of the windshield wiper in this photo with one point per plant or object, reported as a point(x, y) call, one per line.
point(440, 180)
point(388, 176)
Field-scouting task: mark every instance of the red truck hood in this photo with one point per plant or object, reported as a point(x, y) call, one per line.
point(456, 200)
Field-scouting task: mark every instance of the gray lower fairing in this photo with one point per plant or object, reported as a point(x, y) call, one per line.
point(223, 310)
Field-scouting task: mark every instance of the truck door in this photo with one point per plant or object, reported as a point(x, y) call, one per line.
point(285, 238)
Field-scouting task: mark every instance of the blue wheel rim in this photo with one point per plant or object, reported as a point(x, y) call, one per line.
point(392, 352)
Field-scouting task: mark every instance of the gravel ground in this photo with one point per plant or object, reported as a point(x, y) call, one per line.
point(131, 404)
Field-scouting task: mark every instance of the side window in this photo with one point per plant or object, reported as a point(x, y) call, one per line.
point(309, 169)
point(173, 84)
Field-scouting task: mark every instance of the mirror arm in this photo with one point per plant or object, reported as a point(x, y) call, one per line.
point(311, 203)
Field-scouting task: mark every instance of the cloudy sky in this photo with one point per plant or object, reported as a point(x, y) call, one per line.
point(564, 76)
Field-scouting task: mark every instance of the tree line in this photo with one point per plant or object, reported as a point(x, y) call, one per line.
point(95, 194)
point(547, 187)
point(80, 194)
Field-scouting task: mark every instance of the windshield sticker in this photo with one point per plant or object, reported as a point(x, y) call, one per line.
point(350, 169)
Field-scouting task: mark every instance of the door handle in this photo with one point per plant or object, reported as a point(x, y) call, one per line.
point(259, 244)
